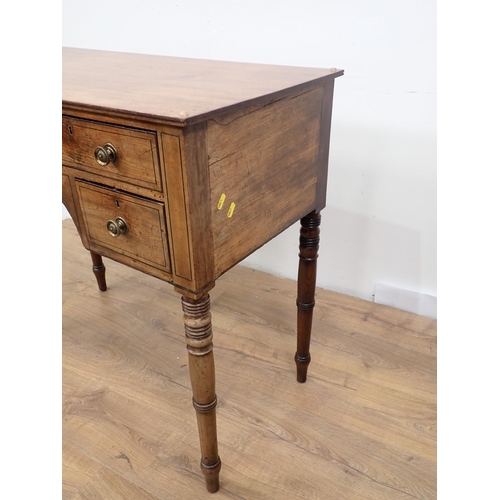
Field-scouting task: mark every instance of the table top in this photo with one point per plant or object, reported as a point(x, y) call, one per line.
point(177, 89)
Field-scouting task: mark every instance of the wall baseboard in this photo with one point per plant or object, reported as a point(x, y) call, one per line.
point(406, 300)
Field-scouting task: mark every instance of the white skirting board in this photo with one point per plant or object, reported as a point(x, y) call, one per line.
point(406, 300)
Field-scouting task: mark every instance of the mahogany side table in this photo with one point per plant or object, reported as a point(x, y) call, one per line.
point(181, 168)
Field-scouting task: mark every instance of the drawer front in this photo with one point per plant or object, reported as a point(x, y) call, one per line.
point(136, 159)
point(145, 238)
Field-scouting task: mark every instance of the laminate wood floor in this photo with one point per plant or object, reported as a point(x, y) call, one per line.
point(362, 427)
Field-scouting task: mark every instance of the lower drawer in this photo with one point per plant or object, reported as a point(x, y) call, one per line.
point(125, 226)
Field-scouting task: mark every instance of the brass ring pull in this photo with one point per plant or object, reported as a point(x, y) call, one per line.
point(105, 154)
point(117, 227)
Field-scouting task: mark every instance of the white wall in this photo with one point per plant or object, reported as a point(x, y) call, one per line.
point(380, 221)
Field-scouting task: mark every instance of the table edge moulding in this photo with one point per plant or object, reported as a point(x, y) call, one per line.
point(180, 168)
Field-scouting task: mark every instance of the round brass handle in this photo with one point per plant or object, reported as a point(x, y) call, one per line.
point(105, 154)
point(116, 227)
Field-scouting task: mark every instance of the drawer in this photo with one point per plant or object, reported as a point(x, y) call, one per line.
point(144, 238)
point(136, 160)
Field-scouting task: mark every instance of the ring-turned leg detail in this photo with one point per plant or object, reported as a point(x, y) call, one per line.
point(99, 271)
point(198, 328)
point(306, 286)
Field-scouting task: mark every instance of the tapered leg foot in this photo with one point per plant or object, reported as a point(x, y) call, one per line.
point(99, 271)
point(306, 287)
point(302, 364)
point(198, 329)
point(211, 474)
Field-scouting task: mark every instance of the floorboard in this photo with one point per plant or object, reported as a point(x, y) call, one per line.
point(362, 427)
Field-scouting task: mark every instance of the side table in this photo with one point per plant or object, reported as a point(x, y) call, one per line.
point(181, 168)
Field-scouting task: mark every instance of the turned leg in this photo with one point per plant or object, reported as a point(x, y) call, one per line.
point(198, 328)
point(306, 286)
point(99, 270)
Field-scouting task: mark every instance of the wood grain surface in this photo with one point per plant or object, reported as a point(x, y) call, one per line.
point(137, 161)
point(265, 162)
point(175, 88)
point(145, 239)
point(363, 426)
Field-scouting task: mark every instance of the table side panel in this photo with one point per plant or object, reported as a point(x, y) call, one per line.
point(263, 168)
point(324, 144)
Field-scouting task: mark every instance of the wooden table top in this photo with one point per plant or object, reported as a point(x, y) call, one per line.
point(177, 89)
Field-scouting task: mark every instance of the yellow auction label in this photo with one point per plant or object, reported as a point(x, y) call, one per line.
point(221, 201)
point(231, 209)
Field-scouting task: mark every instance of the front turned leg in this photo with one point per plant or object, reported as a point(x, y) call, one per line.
point(99, 271)
point(198, 328)
point(306, 286)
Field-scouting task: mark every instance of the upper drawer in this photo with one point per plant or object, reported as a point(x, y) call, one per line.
point(136, 160)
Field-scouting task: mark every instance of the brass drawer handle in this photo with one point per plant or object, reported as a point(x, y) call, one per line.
point(117, 227)
point(105, 154)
